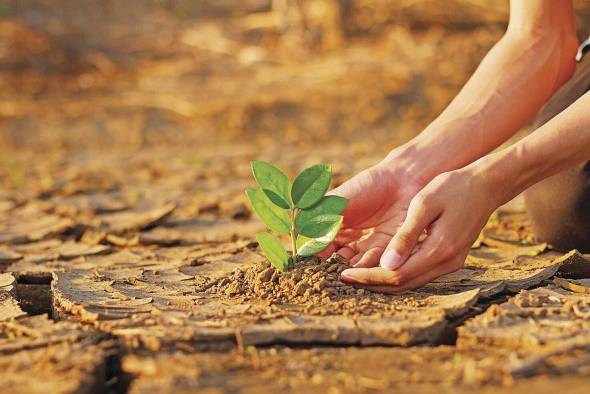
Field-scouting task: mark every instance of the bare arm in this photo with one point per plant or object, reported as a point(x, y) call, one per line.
point(521, 72)
point(455, 205)
point(397, 198)
point(560, 144)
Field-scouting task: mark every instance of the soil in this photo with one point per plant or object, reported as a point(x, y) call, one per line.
point(312, 283)
point(40, 355)
point(128, 260)
point(544, 318)
point(358, 370)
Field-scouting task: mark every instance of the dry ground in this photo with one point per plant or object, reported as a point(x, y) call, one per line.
point(127, 261)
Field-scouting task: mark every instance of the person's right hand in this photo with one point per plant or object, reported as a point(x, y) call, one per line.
point(453, 208)
point(379, 198)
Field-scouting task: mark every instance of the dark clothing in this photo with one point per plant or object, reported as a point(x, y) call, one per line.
point(559, 206)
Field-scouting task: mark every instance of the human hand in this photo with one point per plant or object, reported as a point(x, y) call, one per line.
point(378, 202)
point(452, 209)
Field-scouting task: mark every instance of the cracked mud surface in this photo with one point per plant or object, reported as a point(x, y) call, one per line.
point(128, 261)
point(184, 312)
point(340, 369)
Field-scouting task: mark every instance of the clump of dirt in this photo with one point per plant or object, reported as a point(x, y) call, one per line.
point(309, 278)
point(313, 284)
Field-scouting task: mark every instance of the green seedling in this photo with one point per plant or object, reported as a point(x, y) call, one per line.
point(299, 210)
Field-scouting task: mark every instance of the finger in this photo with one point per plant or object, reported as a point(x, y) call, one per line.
point(329, 251)
point(417, 282)
point(353, 261)
point(419, 217)
point(348, 235)
point(370, 258)
point(369, 276)
point(377, 238)
point(433, 252)
point(373, 245)
point(345, 236)
point(346, 252)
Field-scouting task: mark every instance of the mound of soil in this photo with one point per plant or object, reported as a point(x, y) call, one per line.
point(313, 283)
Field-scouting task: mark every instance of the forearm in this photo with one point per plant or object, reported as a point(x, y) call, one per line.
point(510, 86)
point(514, 80)
point(560, 144)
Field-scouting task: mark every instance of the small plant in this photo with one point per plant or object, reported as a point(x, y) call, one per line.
point(298, 209)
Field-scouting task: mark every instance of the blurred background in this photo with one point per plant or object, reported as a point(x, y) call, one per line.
point(195, 82)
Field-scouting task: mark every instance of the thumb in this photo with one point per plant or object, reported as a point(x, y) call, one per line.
point(405, 239)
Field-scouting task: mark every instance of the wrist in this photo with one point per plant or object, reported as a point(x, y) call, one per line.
point(504, 173)
point(422, 158)
point(411, 162)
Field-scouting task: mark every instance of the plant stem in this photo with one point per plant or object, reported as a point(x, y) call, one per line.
point(293, 215)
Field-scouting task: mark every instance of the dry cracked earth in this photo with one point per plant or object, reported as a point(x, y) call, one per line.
point(127, 254)
point(141, 275)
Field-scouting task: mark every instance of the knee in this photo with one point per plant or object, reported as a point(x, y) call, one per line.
point(559, 212)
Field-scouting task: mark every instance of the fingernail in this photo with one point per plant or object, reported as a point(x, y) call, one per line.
point(347, 279)
point(391, 260)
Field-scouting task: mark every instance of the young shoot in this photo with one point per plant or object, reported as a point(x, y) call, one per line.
point(299, 210)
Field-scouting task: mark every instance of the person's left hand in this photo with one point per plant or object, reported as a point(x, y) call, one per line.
point(452, 209)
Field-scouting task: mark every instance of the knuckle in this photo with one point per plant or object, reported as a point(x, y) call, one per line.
point(420, 203)
point(403, 238)
point(447, 177)
point(399, 279)
point(443, 180)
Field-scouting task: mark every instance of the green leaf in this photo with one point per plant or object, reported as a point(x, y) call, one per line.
point(309, 246)
point(328, 205)
point(311, 185)
point(275, 218)
point(273, 183)
point(273, 250)
point(320, 226)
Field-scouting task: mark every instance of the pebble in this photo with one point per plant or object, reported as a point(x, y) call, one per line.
point(275, 277)
point(233, 288)
point(301, 287)
point(265, 275)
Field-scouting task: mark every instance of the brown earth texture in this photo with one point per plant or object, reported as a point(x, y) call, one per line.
point(128, 260)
